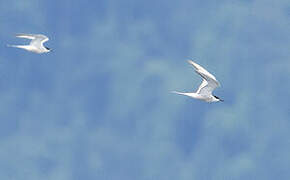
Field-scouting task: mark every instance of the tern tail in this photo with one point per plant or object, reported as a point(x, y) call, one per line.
point(181, 93)
point(20, 46)
point(16, 46)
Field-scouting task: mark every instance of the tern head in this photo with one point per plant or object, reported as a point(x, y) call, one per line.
point(48, 49)
point(217, 99)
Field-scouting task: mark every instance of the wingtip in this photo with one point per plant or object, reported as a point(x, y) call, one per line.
point(24, 35)
point(174, 92)
point(195, 65)
point(18, 34)
point(191, 62)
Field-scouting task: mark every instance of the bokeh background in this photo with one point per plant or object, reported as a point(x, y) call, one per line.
point(99, 107)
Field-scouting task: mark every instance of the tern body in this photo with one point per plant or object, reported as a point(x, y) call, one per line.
point(209, 83)
point(205, 98)
point(36, 44)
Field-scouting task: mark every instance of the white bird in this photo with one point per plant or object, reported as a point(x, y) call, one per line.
point(36, 44)
point(209, 83)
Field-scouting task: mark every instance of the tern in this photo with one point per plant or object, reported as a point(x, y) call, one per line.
point(36, 44)
point(209, 83)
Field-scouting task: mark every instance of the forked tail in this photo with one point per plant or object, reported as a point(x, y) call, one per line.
point(16, 46)
point(181, 93)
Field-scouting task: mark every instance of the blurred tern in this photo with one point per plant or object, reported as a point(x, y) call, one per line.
point(36, 44)
point(209, 83)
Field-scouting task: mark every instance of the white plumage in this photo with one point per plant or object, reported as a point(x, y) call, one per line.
point(204, 91)
point(36, 43)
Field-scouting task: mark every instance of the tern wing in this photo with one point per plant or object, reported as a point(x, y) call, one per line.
point(39, 39)
point(209, 82)
point(204, 73)
point(207, 89)
point(36, 39)
point(26, 36)
point(202, 85)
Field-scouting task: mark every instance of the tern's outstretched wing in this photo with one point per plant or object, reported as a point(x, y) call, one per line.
point(207, 89)
point(209, 82)
point(26, 36)
point(39, 40)
point(202, 85)
point(35, 38)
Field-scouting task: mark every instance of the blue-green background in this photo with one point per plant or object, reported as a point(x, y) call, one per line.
point(99, 107)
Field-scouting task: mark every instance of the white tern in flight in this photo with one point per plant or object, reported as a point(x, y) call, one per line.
point(209, 83)
point(36, 44)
